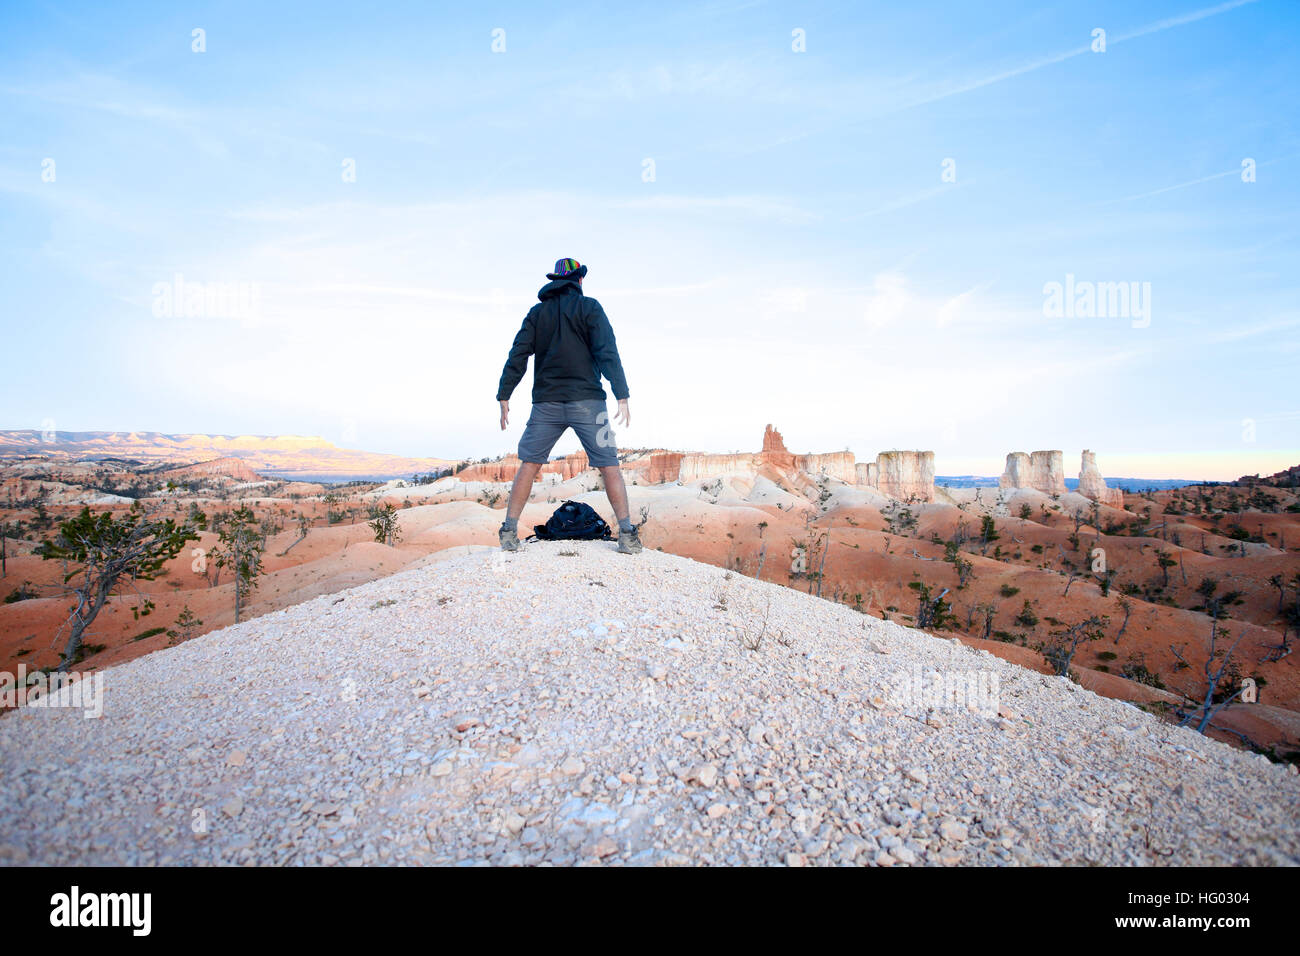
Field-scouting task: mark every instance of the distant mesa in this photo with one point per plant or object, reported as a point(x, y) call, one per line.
point(304, 458)
point(1282, 479)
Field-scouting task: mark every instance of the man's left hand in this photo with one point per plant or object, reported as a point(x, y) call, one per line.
point(505, 415)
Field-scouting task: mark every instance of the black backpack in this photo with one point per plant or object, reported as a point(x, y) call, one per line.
point(573, 521)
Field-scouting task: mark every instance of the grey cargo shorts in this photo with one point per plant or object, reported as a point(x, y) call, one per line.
point(589, 418)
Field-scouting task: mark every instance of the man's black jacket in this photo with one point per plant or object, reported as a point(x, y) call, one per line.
point(574, 345)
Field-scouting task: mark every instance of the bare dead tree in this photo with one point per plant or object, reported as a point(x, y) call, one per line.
point(1071, 572)
point(1060, 650)
point(990, 610)
point(1217, 672)
point(303, 526)
point(1126, 605)
point(1279, 651)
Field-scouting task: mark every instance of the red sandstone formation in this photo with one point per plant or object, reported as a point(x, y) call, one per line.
point(1093, 485)
point(1041, 470)
point(836, 464)
point(905, 474)
point(695, 466)
point(663, 468)
point(223, 467)
point(774, 452)
point(504, 470)
point(570, 466)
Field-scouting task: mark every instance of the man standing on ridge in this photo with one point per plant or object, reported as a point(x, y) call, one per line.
point(574, 346)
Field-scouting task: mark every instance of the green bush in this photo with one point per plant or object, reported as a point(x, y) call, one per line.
point(1027, 617)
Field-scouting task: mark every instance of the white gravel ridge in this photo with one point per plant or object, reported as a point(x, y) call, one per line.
point(568, 704)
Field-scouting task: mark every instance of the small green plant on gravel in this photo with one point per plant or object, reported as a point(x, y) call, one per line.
point(386, 603)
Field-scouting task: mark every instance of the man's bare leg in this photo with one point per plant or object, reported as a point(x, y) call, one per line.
point(628, 540)
point(523, 487)
point(616, 491)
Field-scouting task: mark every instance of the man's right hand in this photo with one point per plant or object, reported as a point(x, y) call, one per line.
point(624, 417)
point(505, 415)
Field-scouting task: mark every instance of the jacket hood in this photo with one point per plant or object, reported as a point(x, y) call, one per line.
point(559, 287)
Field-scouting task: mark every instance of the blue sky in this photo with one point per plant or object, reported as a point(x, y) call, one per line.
point(798, 257)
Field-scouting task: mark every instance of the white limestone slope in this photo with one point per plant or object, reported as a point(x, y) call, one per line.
point(570, 704)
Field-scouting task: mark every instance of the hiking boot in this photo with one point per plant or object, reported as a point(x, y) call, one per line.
point(509, 540)
point(629, 542)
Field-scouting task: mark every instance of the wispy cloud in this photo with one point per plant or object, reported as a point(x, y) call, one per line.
point(1167, 24)
point(1251, 331)
point(1182, 19)
point(1167, 189)
point(955, 307)
point(950, 88)
point(1195, 182)
point(903, 202)
point(762, 206)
